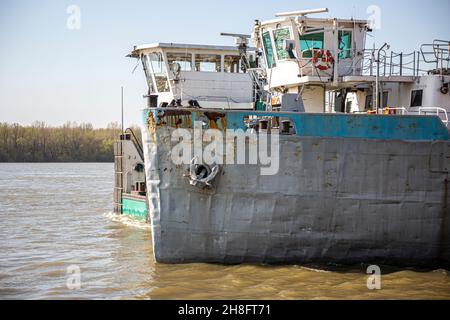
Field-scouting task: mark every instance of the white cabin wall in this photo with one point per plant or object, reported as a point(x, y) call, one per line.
point(360, 43)
point(432, 97)
point(165, 97)
point(215, 86)
point(330, 42)
point(358, 100)
point(405, 93)
point(211, 89)
point(313, 99)
point(284, 74)
point(393, 90)
point(129, 162)
point(350, 66)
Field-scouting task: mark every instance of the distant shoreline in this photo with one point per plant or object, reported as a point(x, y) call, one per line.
point(70, 143)
point(57, 162)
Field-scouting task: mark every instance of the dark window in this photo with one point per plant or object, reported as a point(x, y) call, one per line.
point(385, 99)
point(416, 98)
point(348, 106)
point(369, 101)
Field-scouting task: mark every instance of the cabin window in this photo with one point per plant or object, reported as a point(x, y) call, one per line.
point(416, 98)
point(345, 44)
point(369, 101)
point(279, 36)
point(268, 49)
point(348, 106)
point(310, 42)
point(148, 73)
point(183, 59)
point(207, 62)
point(159, 71)
point(231, 64)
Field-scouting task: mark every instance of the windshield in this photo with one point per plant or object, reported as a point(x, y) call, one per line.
point(154, 65)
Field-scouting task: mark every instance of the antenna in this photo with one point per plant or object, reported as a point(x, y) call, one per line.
point(241, 39)
point(121, 97)
point(236, 35)
point(301, 12)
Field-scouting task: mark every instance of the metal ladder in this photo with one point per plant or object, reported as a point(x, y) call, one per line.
point(118, 175)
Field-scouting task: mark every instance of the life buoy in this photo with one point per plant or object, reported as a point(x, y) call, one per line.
point(323, 60)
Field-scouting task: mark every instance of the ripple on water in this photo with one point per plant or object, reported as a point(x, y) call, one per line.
point(56, 216)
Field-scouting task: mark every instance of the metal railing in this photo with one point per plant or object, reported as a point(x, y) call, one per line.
point(437, 52)
point(364, 62)
point(136, 142)
point(426, 111)
point(435, 111)
point(391, 64)
point(399, 111)
point(392, 111)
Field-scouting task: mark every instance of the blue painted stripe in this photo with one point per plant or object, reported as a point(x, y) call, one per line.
point(381, 127)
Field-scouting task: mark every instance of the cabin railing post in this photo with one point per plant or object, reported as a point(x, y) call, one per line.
point(418, 63)
point(390, 65)
point(401, 63)
point(414, 63)
point(371, 63)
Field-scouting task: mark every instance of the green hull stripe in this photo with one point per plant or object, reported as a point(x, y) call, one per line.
point(134, 208)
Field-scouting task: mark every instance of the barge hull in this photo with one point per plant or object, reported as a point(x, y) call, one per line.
point(334, 200)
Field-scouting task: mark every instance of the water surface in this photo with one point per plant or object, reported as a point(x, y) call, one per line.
point(57, 216)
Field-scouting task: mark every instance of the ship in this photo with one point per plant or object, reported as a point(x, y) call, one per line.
point(355, 166)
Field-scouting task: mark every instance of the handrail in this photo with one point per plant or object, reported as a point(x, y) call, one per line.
point(391, 64)
point(136, 142)
point(383, 111)
point(402, 109)
point(437, 111)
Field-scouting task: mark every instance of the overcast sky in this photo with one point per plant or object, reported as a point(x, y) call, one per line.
point(51, 73)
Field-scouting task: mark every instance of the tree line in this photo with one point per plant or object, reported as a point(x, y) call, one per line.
point(71, 142)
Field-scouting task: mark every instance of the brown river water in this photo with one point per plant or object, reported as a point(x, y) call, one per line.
point(56, 217)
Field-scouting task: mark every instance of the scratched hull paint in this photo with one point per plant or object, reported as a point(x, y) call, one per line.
point(344, 198)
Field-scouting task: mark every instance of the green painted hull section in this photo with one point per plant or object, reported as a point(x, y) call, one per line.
point(134, 208)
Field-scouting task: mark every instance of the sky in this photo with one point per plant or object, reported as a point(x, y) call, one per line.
point(53, 71)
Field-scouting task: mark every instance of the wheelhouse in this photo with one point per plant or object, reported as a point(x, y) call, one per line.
point(298, 47)
point(198, 75)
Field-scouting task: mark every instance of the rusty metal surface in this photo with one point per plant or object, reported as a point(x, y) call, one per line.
point(333, 125)
point(334, 200)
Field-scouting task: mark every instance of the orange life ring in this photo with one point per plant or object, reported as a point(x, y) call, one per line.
point(323, 60)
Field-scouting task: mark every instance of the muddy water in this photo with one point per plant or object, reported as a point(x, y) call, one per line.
point(54, 219)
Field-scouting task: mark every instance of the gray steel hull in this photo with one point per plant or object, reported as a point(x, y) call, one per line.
point(334, 200)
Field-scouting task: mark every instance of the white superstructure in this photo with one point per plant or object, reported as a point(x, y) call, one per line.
point(189, 74)
point(322, 65)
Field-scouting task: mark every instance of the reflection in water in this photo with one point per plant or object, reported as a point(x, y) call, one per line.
point(53, 217)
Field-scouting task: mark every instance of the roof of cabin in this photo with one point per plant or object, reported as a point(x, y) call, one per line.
point(325, 21)
point(163, 45)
